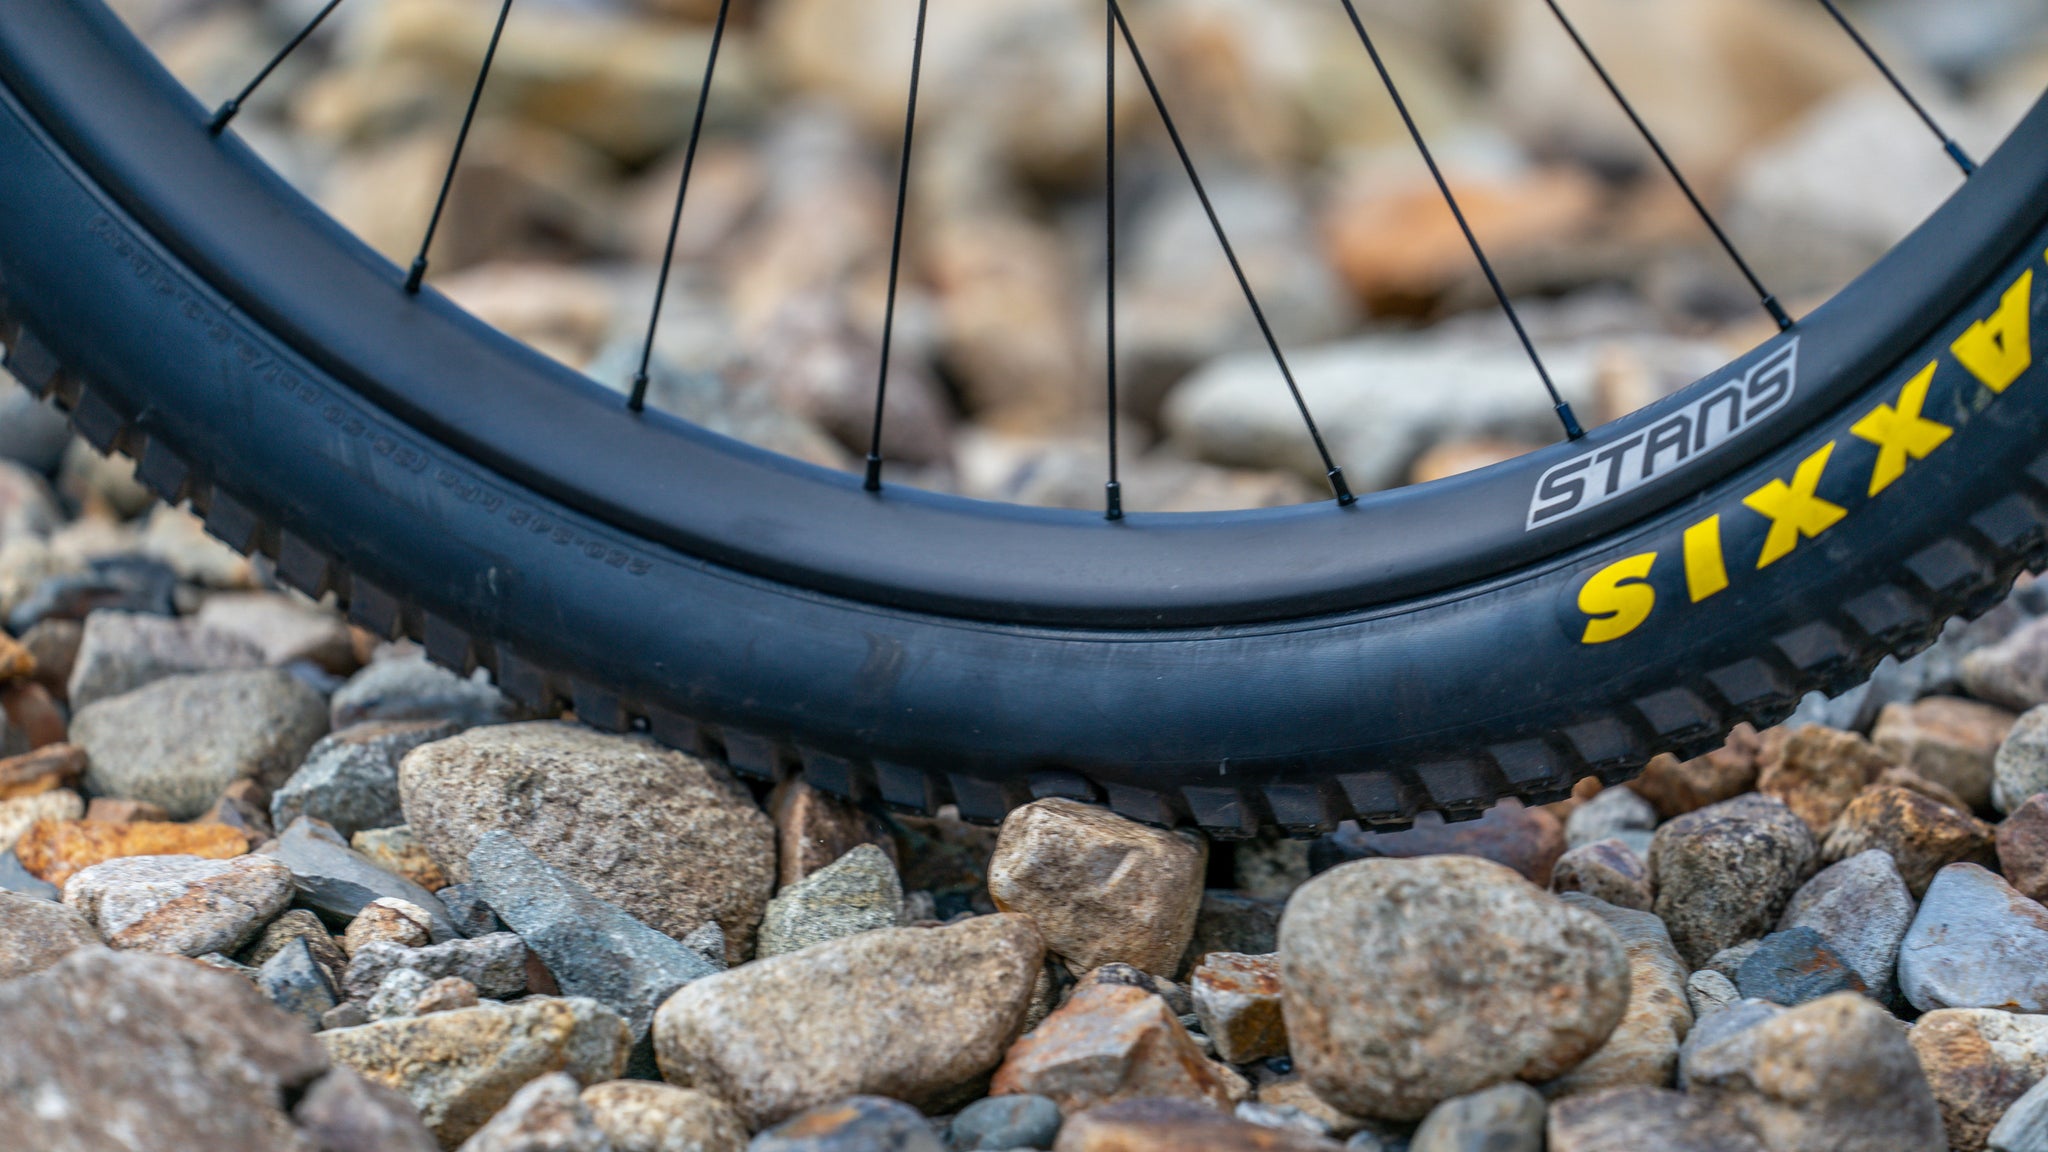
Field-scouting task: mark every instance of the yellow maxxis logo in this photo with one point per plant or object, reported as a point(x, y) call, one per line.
point(1995, 351)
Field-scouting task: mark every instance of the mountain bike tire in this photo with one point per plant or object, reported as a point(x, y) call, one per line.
point(1829, 498)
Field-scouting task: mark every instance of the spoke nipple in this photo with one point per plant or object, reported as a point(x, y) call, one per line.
point(1344, 497)
point(1572, 431)
point(1115, 493)
point(225, 113)
point(1778, 313)
point(874, 480)
point(1962, 158)
point(414, 277)
point(638, 400)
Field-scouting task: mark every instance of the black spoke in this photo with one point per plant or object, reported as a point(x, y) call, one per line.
point(874, 477)
point(1330, 469)
point(1764, 295)
point(1948, 143)
point(1114, 490)
point(1572, 430)
point(227, 111)
point(419, 263)
point(675, 219)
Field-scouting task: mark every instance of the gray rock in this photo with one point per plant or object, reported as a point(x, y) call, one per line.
point(406, 687)
point(285, 629)
point(2021, 767)
point(35, 934)
point(2024, 1127)
point(16, 879)
point(297, 924)
point(297, 983)
point(858, 892)
point(1718, 1026)
point(348, 1014)
point(337, 881)
point(1608, 870)
point(1975, 943)
point(1860, 906)
point(179, 742)
point(1978, 1061)
point(1286, 1117)
point(227, 964)
point(109, 584)
point(1795, 966)
point(649, 1116)
point(1640, 1119)
point(1504, 1118)
point(1609, 814)
point(672, 839)
point(2012, 673)
point(593, 947)
point(547, 1115)
point(473, 917)
point(346, 1113)
point(399, 994)
point(1725, 872)
point(180, 904)
point(1643, 1048)
point(708, 941)
point(996, 1122)
point(122, 1050)
point(1728, 961)
point(1708, 991)
point(855, 1124)
point(122, 651)
point(350, 778)
point(496, 964)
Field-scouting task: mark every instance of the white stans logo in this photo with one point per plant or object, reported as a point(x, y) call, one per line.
point(1722, 413)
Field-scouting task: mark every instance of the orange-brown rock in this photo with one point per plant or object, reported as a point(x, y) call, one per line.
point(1818, 771)
point(1294, 1092)
point(1912, 781)
point(16, 661)
point(1178, 1126)
point(1528, 840)
point(1922, 834)
point(1978, 1061)
point(29, 707)
point(1947, 739)
point(114, 810)
point(1113, 1042)
point(1674, 787)
point(1238, 999)
point(51, 766)
point(54, 644)
point(814, 828)
point(399, 852)
point(55, 850)
point(2023, 847)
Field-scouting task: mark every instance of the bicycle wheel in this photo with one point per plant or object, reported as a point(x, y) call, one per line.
point(1830, 497)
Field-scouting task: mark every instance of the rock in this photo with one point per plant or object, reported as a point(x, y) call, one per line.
point(1291, 1093)
point(1975, 943)
point(1723, 873)
point(547, 1115)
point(496, 964)
point(391, 920)
point(1922, 835)
point(397, 851)
point(784, 1034)
point(1232, 922)
point(294, 980)
point(347, 1014)
point(1728, 961)
point(1607, 815)
point(244, 806)
point(1946, 739)
point(17, 816)
point(1177, 1126)
point(108, 583)
point(1608, 871)
point(14, 878)
point(284, 629)
point(857, 893)
point(182, 740)
point(708, 942)
point(1709, 991)
point(465, 903)
point(1377, 958)
point(350, 778)
point(35, 934)
point(2020, 766)
point(2022, 840)
point(1643, 1048)
point(298, 924)
point(108, 810)
point(643, 1116)
point(224, 963)
point(672, 839)
point(855, 1124)
point(1978, 1061)
point(337, 882)
point(45, 769)
point(346, 1113)
point(1795, 966)
point(2024, 1127)
point(1238, 1000)
point(1712, 1029)
point(1100, 887)
point(458, 1068)
point(398, 995)
point(447, 994)
point(1638, 1118)
point(122, 651)
point(1818, 771)
point(1528, 840)
point(185, 905)
point(54, 646)
point(1504, 1118)
point(1269, 866)
point(1004, 1122)
point(2012, 673)
point(121, 1050)
point(814, 829)
point(1861, 907)
point(1281, 1117)
point(407, 687)
point(593, 948)
point(26, 505)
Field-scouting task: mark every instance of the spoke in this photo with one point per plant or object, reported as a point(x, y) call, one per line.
point(1330, 469)
point(419, 263)
point(1948, 143)
point(1114, 490)
point(227, 111)
point(873, 482)
point(675, 220)
point(1764, 295)
point(1572, 430)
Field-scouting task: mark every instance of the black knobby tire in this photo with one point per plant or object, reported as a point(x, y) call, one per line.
point(1426, 649)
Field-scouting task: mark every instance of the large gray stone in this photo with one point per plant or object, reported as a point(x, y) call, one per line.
point(1975, 943)
point(180, 741)
point(1860, 906)
point(122, 651)
point(35, 934)
point(1724, 873)
point(592, 947)
point(1504, 1118)
point(405, 686)
point(858, 892)
point(350, 778)
point(1714, 1027)
point(2024, 1127)
point(338, 882)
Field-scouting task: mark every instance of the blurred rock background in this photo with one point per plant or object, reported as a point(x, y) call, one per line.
point(771, 333)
